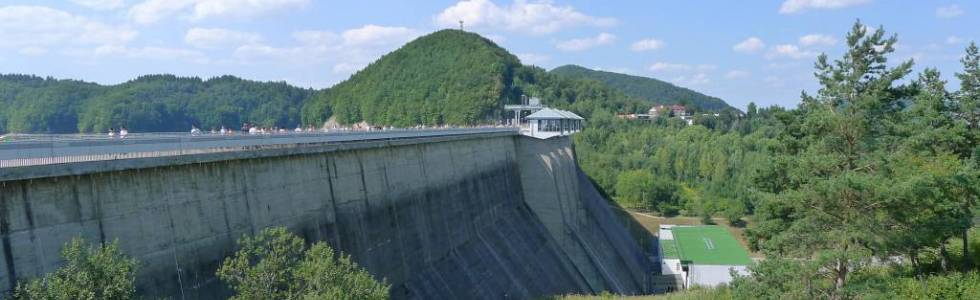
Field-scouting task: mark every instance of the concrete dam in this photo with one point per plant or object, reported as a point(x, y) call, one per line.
point(481, 215)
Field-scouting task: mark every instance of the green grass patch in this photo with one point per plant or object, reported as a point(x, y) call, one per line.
point(709, 245)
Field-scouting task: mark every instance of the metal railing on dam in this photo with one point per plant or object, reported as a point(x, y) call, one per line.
point(35, 150)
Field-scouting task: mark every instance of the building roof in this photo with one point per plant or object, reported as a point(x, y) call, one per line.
point(706, 245)
point(551, 113)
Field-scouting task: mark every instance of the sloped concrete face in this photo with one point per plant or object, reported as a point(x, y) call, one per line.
point(451, 219)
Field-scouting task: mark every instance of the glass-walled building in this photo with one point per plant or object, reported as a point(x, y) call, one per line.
point(551, 122)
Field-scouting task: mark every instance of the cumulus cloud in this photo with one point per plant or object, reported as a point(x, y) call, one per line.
point(950, 11)
point(749, 45)
point(151, 52)
point(374, 35)
point(587, 43)
point(647, 44)
point(211, 38)
point(39, 26)
point(796, 6)
point(954, 40)
point(737, 74)
point(790, 51)
point(691, 80)
point(817, 40)
point(151, 11)
point(533, 58)
point(347, 51)
point(535, 17)
point(674, 67)
point(100, 4)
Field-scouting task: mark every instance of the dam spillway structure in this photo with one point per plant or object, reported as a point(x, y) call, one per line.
point(440, 214)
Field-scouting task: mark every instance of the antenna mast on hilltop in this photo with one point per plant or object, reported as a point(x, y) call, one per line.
point(460, 25)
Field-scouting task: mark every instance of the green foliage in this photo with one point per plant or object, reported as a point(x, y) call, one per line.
point(447, 77)
point(649, 89)
point(89, 273)
point(696, 170)
point(868, 170)
point(276, 264)
point(148, 103)
point(635, 189)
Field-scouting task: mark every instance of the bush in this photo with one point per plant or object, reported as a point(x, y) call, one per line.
point(89, 273)
point(276, 264)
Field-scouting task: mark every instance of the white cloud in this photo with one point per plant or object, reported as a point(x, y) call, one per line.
point(672, 67)
point(533, 58)
point(100, 4)
point(691, 80)
point(587, 43)
point(346, 52)
point(152, 53)
point(535, 17)
point(347, 68)
point(796, 6)
point(774, 81)
point(749, 45)
point(211, 38)
point(33, 51)
point(151, 11)
point(647, 44)
point(39, 26)
point(950, 11)
point(316, 37)
point(737, 74)
point(790, 51)
point(374, 35)
point(954, 40)
point(817, 40)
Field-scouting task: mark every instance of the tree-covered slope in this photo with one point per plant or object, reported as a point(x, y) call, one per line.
point(452, 77)
point(30, 104)
point(449, 76)
point(650, 89)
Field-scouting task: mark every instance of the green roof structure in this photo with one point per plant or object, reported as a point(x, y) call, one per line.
point(706, 245)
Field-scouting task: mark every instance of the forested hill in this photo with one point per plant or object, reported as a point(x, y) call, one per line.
point(152, 103)
point(651, 89)
point(451, 77)
point(447, 77)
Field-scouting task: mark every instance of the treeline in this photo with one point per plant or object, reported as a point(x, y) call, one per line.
point(649, 89)
point(447, 77)
point(152, 103)
point(672, 168)
point(274, 264)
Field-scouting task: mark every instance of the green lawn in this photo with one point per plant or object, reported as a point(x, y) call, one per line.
point(709, 245)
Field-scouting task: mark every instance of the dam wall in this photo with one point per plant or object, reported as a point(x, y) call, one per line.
point(480, 216)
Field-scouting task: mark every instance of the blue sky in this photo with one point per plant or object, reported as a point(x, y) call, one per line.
point(740, 51)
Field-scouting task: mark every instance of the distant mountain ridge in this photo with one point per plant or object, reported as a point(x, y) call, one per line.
point(650, 89)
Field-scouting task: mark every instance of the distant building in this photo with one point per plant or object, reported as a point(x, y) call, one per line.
point(657, 110)
point(678, 110)
point(700, 255)
point(550, 122)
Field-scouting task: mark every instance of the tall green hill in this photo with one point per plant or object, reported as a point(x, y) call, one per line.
point(450, 77)
point(650, 89)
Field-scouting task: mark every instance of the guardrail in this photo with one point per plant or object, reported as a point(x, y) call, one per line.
point(63, 149)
